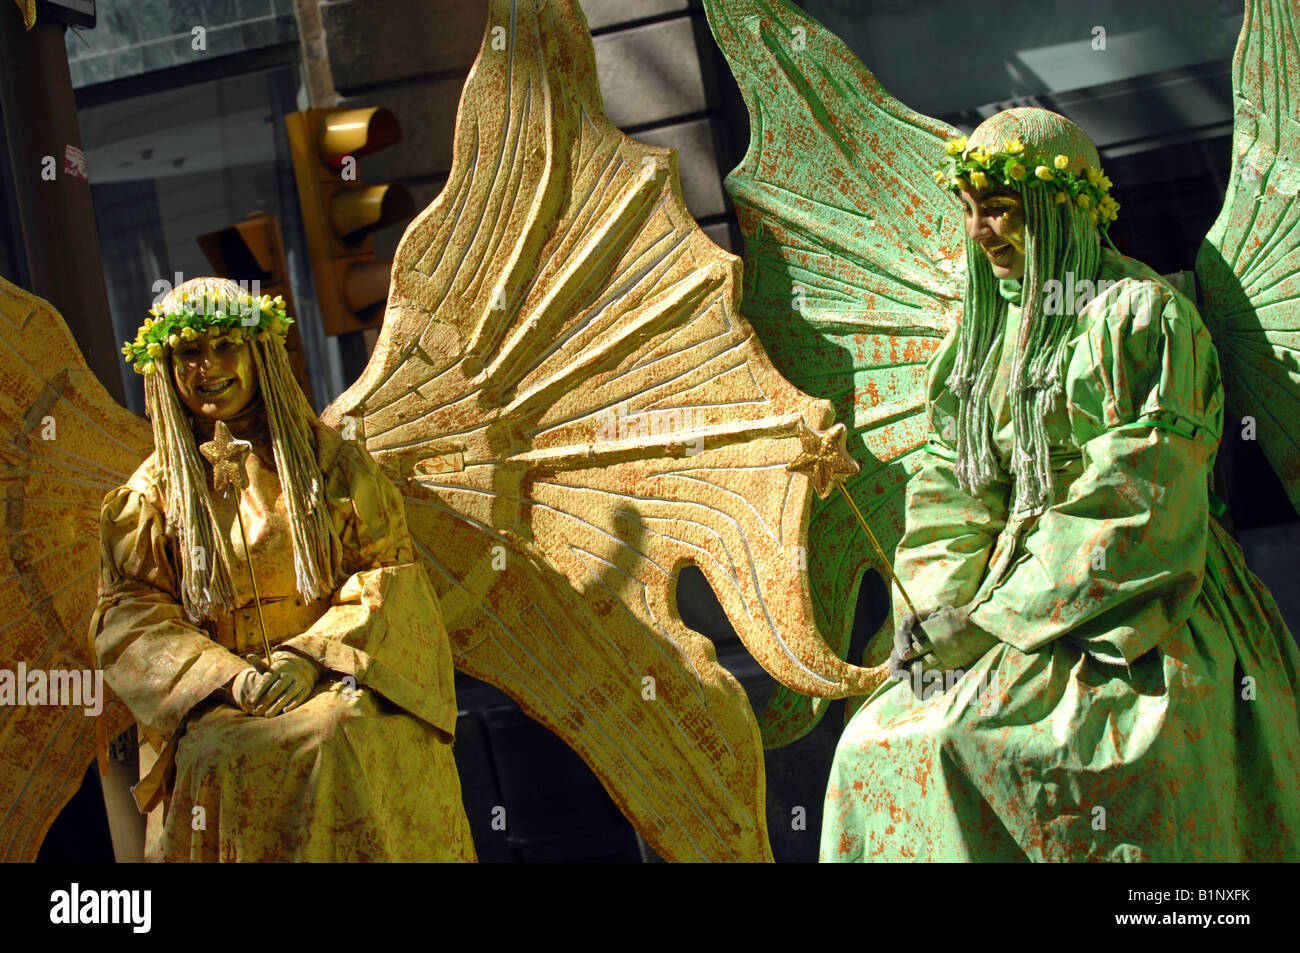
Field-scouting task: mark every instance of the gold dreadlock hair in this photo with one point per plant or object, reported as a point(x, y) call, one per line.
point(205, 554)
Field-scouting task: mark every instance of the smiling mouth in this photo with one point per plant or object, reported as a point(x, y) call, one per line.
point(998, 252)
point(217, 388)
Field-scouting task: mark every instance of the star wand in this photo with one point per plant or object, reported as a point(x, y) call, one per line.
point(825, 460)
point(227, 455)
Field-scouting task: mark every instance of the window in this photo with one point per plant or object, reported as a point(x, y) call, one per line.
point(171, 164)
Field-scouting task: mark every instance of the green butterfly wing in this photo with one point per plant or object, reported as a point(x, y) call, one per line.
point(1248, 267)
point(849, 276)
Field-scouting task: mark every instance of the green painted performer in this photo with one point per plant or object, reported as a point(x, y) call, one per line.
point(1097, 674)
point(1109, 681)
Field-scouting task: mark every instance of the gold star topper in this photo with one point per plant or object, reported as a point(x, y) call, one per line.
point(227, 455)
point(823, 458)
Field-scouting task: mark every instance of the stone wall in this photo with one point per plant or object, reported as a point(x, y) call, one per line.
point(139, 36)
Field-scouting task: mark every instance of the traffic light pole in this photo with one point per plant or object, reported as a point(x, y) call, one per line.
point(60, 241)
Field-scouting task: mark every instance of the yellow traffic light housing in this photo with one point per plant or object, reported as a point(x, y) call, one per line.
point(340, 213)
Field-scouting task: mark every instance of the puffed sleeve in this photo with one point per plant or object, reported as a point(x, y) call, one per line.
point(384, 627)
point(949, 533)
point(1117, 565)
point(159, 663)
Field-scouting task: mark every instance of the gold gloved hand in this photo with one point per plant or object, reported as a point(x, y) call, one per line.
point(249, 686)
point(296, 677)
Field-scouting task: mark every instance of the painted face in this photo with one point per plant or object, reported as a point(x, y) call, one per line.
point(995, 218)
point(214, 374)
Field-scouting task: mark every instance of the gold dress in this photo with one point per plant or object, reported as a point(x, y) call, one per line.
point(362, 770)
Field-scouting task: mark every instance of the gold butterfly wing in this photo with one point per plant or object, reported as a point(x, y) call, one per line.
point(577, 410)
point(64, 444)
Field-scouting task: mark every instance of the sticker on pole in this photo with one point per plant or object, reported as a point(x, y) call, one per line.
point(74, 163)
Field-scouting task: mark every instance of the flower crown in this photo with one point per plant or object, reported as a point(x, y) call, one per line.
point(197, 313)
point(1013, 168)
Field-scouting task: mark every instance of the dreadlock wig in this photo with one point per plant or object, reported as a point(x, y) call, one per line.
point(1054, 168)
point(200, 306)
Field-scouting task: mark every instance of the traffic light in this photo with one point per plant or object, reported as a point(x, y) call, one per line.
point(253, 251)
point(339, 213)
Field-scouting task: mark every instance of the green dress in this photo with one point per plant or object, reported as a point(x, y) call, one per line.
point(1133, 694)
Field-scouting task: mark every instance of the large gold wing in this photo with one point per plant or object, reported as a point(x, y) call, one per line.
point(561, 339)
point(64, 444)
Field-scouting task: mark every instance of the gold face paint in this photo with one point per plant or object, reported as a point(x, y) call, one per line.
point(995, 218)
point(214, 374)
point(1014, 229)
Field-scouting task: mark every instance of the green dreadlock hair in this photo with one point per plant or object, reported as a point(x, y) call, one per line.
point(1066, 210)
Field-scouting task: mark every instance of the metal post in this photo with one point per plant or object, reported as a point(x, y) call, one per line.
point(57, 218)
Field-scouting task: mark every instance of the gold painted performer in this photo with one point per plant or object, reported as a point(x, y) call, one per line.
point(341, 750)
